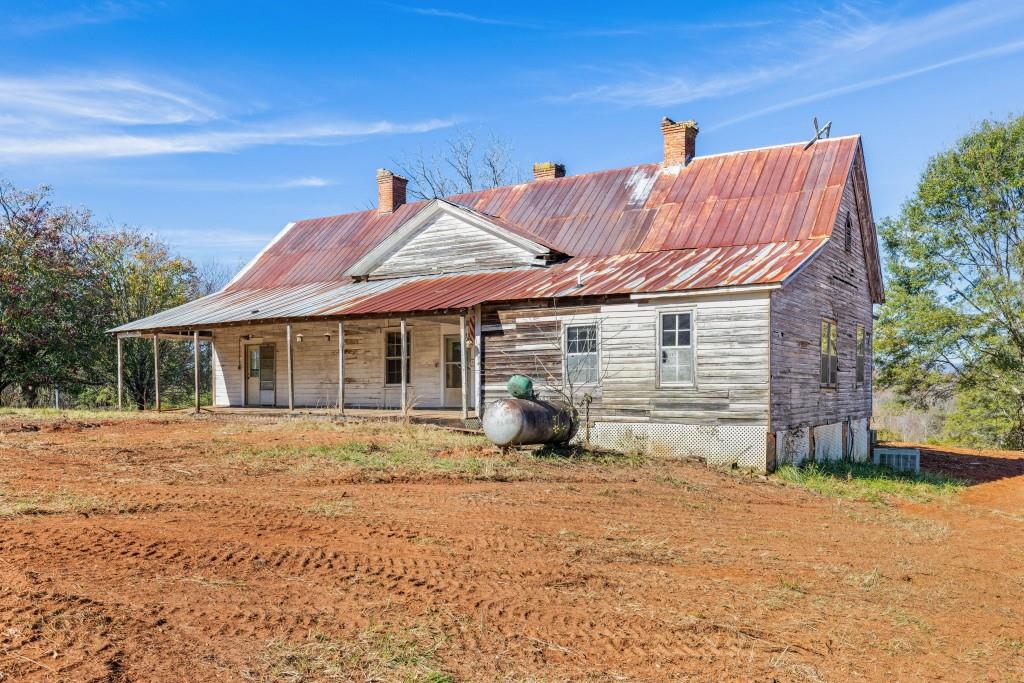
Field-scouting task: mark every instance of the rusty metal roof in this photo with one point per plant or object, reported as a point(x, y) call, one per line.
point(675, 270)
point(743, 218)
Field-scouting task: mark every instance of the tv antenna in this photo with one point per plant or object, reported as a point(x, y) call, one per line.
point(819, 133)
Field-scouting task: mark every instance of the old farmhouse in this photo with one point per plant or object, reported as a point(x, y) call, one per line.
point(717, 305)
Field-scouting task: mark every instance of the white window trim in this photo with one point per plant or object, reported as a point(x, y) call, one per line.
point(384, 344)
point(834, 385)
point(862, 381)
point(596, 324)
point(660, 313)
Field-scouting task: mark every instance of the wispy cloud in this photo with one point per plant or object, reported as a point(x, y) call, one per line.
point(46, 22)
point(308, 181)
point(999, 51)
point(103, 98)
point(464, 16)
point(838, 38)
point(222, 184)
point(96, 117)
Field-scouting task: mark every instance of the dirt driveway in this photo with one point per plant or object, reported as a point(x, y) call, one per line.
point(228, 549)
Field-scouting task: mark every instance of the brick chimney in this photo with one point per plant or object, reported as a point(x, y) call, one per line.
point(680, 141)
point(390, 191)
point(548, 169)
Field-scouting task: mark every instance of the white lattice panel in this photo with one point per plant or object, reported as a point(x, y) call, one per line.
point(828, 442)
point(719, 445)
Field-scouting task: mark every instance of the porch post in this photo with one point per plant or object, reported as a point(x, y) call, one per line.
point(120, 375)
point(156, 369)
point(405, 351)
point(478, 361)
point(341, 367)
point(195, 361)
point(291, 382)
point(462, 366)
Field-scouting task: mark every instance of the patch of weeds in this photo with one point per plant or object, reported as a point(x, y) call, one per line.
point(863, 481)
point(792, 586)
point(574, 452)
point(901, 617)
point(57, 502)
point(331, 508)
point(376, 653)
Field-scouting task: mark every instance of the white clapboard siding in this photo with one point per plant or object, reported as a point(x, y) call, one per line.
point(449, 245)
point(732, 352)
point(315, 363)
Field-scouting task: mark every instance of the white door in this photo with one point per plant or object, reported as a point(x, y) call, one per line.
point(452, 359)
point(260, 372)
point(252, 375)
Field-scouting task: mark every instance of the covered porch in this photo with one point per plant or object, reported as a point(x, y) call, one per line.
point(339, 365)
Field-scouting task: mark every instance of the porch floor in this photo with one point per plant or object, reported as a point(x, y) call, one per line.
point(448, 417)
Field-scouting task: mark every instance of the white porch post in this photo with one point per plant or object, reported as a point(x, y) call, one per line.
point(405, 351)
point(156, 369)
point(195, 361)
point(291, 381)
point(462, 366)
point(341, 367)
point(478, 367)
point(120, 375)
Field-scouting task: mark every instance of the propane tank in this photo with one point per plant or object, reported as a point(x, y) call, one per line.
point(515, 421)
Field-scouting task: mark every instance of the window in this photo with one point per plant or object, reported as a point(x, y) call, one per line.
point(861, 354)
point(393, 355)
point(675, 364)
point(848, 244)
point(581, 354)
point(829, 356)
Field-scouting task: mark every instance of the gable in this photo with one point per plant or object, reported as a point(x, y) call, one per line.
point(445, 238)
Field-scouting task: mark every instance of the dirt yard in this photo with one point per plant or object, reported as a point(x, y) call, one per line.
point(232, 549)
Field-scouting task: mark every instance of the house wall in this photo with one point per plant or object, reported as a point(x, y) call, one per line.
point(450, 245)
point(315, 363)
point(723, 417)
point(833, 286)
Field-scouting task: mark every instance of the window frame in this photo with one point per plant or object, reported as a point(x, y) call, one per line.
point(597, 353)
point(860, 356)
point(848, 237)
point(408, 358)
point(832, 353)
point(659, 332)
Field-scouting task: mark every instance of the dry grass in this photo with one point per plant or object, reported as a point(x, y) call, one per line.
point(61, 501)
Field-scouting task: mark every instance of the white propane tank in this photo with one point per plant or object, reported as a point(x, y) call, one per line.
point(516, 421)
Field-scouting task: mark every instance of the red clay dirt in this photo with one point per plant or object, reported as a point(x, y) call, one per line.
point(162, 551)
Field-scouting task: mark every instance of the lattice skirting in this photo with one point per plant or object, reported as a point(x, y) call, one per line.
point(719, 445)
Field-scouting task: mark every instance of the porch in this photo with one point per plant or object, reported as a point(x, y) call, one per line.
point(342, 366)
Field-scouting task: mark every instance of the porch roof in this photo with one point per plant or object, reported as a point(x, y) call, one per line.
point(661, 271)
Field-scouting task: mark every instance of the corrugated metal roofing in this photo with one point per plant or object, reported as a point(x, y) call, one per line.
point(684, 269)
point(742, 218)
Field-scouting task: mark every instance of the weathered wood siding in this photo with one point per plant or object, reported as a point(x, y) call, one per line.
point(315, 363)
point(731, 338)
point(833, 286)
point(447, 244)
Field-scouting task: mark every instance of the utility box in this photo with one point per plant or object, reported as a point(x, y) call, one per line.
point(899, 459)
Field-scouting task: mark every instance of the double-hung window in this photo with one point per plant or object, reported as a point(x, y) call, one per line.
point(862, 344)
point(675, 352)
point(829, 355)
point(393, 357)
point(581, 364)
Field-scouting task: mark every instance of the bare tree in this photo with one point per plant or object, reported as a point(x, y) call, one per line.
point(463, 163)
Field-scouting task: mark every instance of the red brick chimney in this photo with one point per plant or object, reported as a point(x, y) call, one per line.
point(680, 141)
point(547, 169)
point(390, 191)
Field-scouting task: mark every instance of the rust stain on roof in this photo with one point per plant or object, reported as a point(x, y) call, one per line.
point(742, 218)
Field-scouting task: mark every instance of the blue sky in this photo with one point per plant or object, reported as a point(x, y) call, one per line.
point(212, 124)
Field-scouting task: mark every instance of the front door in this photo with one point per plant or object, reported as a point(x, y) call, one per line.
point(260, 384)
point(452, 371)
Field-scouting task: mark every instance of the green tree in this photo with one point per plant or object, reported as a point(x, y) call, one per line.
point(953, 322)
point(50, 310)
point(138, 276)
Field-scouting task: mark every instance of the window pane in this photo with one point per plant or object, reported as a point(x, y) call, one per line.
point(453, 376)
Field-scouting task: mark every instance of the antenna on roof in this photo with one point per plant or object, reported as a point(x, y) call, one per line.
point(819, 133)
